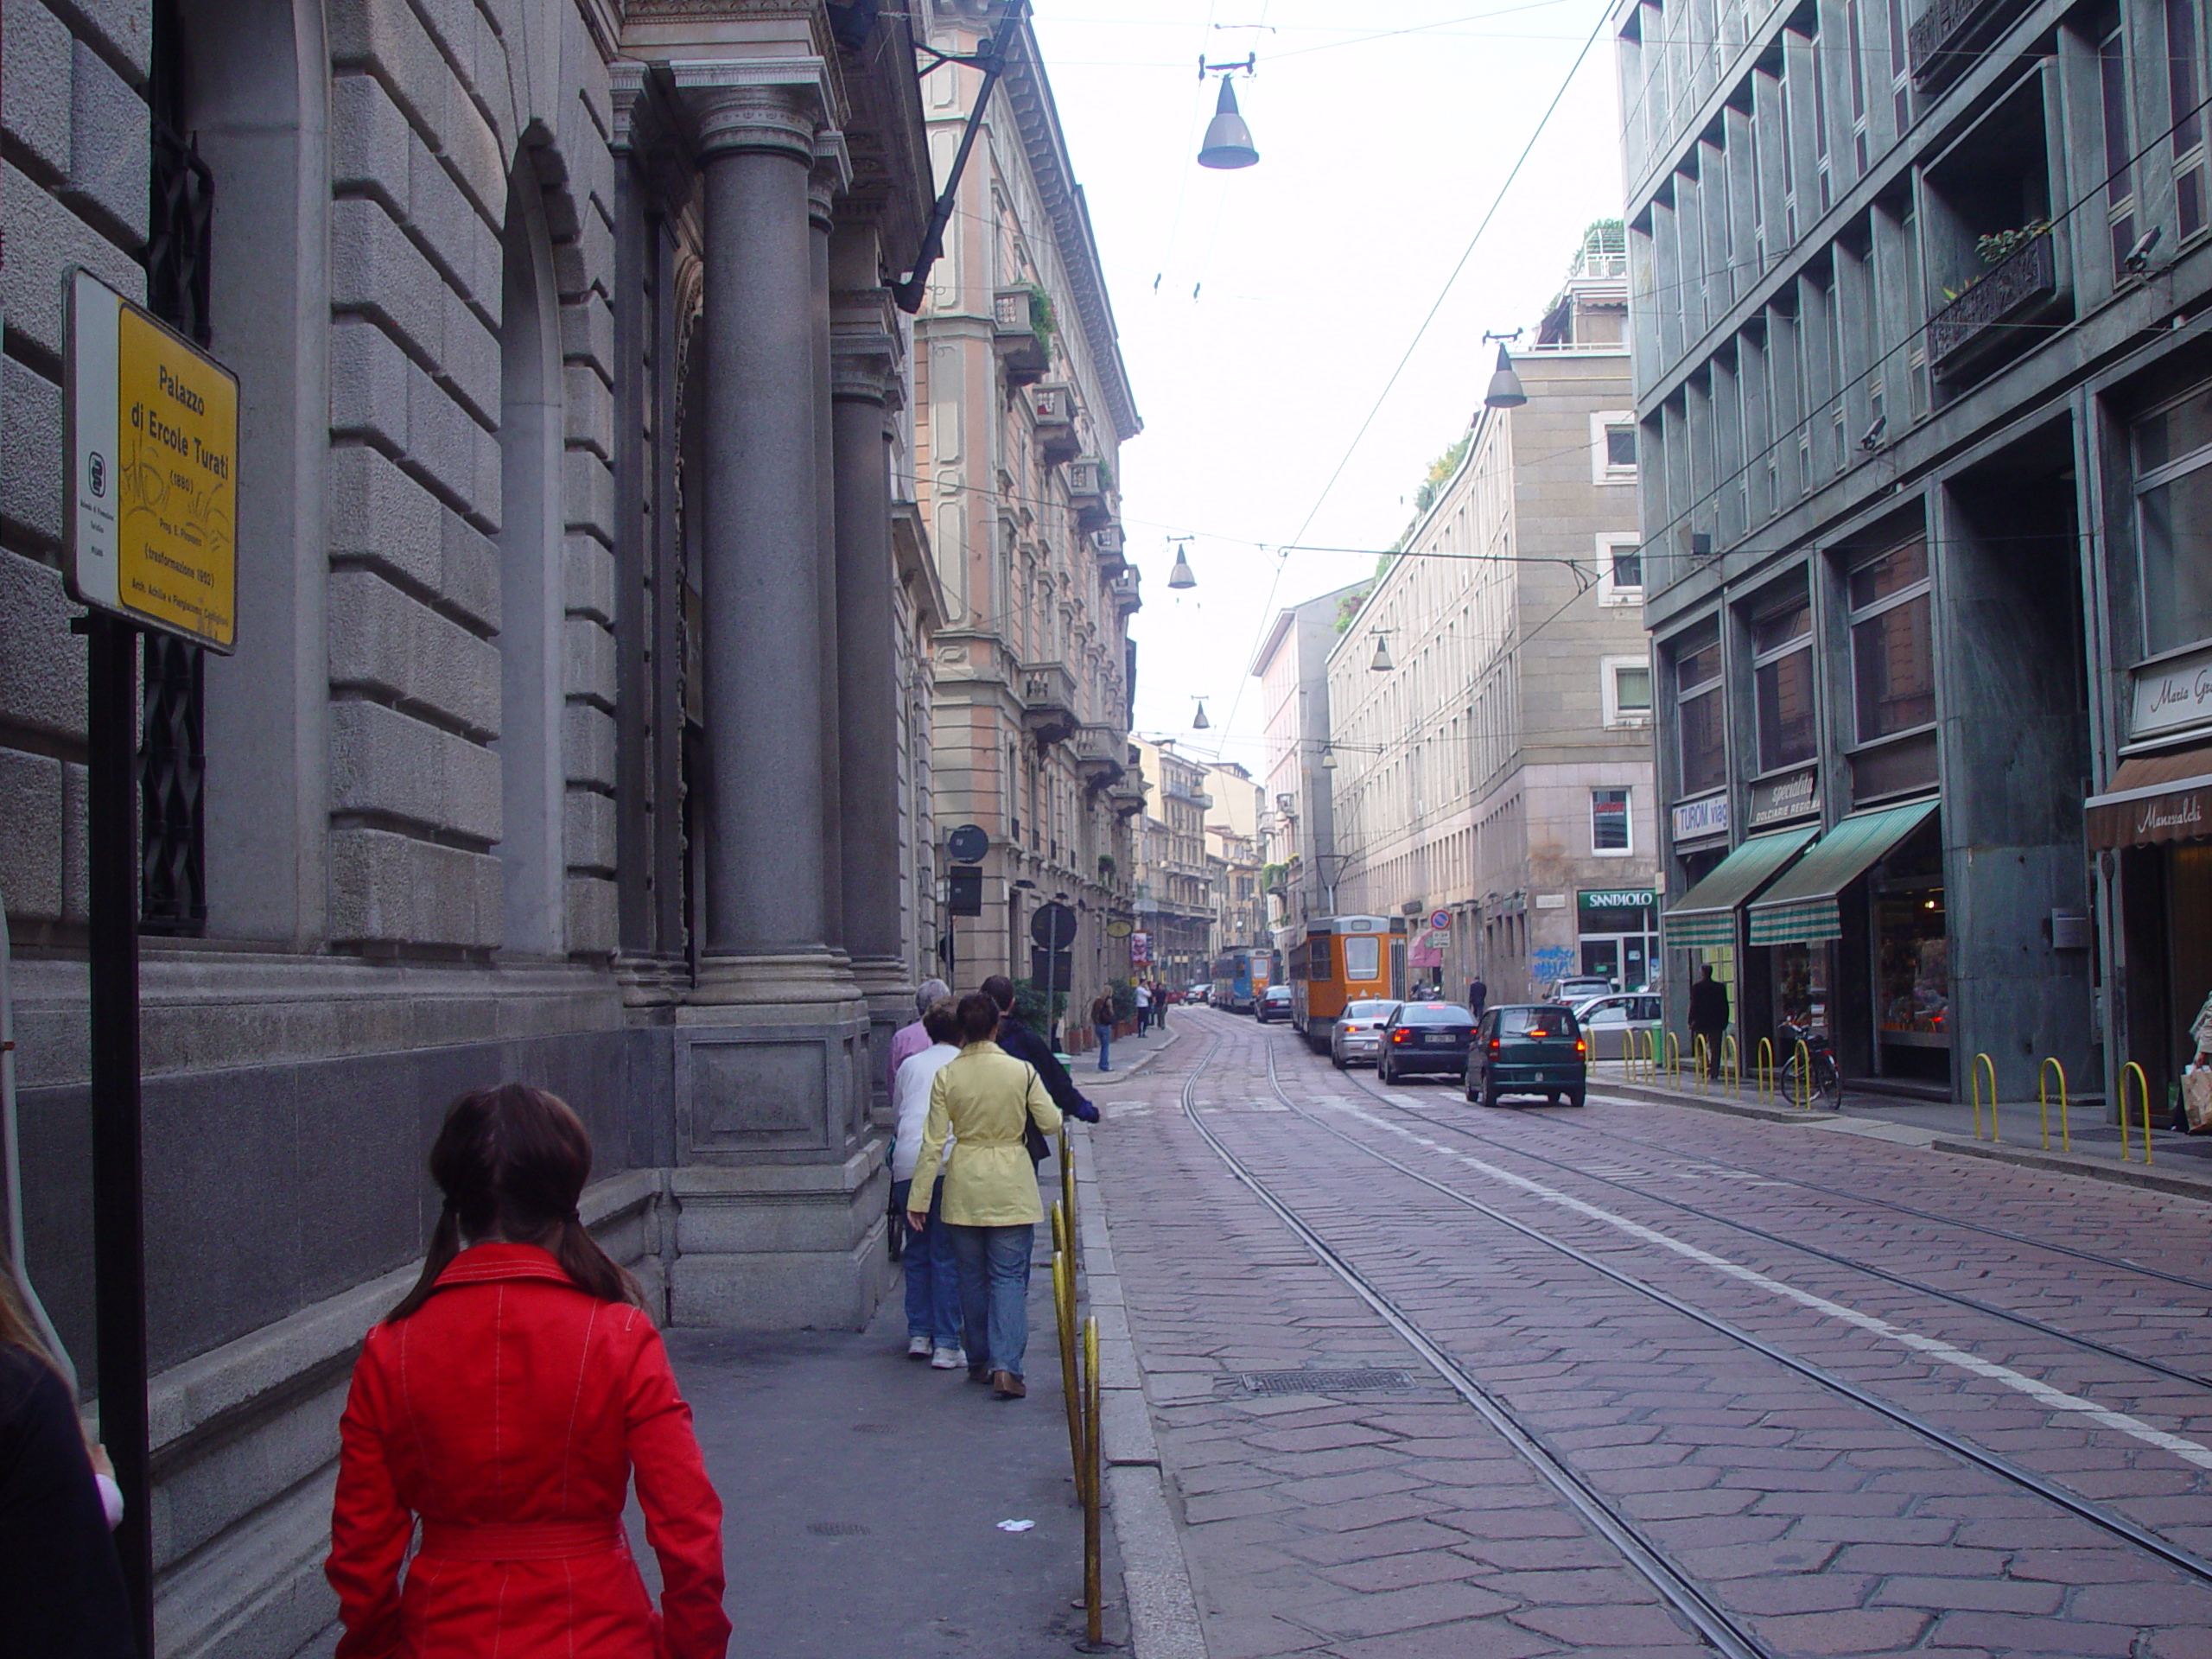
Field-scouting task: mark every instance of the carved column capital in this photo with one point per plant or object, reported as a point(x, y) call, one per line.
point(831, 177)
point(775, 106)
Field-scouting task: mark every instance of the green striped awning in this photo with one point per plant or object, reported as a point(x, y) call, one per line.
point(1707, 914)
point(1800, 908)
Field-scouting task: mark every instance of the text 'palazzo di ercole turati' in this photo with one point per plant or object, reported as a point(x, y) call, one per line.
point(1924, 386)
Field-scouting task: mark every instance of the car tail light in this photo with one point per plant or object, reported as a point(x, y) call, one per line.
point(1401, 1034)
point(1580, 1046)
point(1496, 1043)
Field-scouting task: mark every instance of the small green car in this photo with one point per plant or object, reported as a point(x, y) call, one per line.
point(1529, 1049)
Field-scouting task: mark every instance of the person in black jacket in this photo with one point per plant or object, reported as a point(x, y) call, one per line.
point(1709, 1015)
point(61, 1594)
point(1024, 1044)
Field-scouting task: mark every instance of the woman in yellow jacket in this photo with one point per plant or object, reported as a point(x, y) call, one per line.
point(983, 1100)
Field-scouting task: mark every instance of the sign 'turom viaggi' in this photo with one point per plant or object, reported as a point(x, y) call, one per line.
point(153, 448)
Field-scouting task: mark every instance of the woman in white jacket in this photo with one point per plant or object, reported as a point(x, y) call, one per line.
point(932, 1275)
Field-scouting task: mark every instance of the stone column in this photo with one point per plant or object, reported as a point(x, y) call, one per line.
point(781, 1192)
point(832, 173)
point(866, 385)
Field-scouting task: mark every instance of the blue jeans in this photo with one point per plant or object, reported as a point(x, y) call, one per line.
point(1105, 1038)
point(994, 1293)
point(932, 1275)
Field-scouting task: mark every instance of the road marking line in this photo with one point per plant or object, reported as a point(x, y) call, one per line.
point(2051, 1398)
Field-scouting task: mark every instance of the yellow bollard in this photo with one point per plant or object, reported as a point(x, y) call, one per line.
point(1067, 1196)
point(2131, 1069)
point(1059, 1229)
point(1094, 1590)
point(1731, 1063)
point(2043, 1094)
point(1701, 1062)
point(1804, 1057)
point(1070, 1379)
point(1673, 1061)
point(1763, 1064)
point(1984, 1065)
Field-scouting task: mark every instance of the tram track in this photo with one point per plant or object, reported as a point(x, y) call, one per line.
point(2116, 1264)
point(2025, 1321)
point(1677, 1588)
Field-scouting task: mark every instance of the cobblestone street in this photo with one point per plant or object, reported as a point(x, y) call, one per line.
point(1639, 1379)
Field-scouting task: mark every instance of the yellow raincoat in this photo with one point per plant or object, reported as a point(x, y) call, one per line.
point(980, 1099)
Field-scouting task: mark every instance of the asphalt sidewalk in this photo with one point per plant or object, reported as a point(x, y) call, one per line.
point(863, 1491)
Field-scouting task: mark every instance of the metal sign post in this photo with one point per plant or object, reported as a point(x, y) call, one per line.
point(152, 505)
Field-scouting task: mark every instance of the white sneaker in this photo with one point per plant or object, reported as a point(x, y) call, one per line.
point(917, 1347)
point(947, 1359)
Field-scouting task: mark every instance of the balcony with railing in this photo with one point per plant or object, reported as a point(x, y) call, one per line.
point(1052, 410)
point(1016, 336)
point(1947, 35)
point(1048, 702)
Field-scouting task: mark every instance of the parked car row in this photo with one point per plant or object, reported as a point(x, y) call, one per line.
point(1517, 1049)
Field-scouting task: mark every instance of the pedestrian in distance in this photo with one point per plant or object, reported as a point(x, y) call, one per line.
point(504, 1404)
point(932, 1274)
point(1159, 1005)
point(1708, 1016)
point(1101, 1027)
point(61, 1594)
point(1478, 996)
point(1144, 1007)
point(1024, 1044)
point(907, 1042)
point(984, 1101)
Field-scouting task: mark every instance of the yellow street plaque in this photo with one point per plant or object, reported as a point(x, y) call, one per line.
point(153, 451)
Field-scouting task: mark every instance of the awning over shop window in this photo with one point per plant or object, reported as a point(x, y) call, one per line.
point(1706, 915)
point(2155, 797)
point(1800, 908)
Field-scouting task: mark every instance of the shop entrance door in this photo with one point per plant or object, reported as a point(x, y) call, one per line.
point(1625, 959)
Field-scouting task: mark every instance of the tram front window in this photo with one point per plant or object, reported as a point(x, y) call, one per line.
point(1363, 958)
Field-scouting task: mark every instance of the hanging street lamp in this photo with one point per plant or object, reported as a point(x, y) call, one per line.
point(1199, 722)
point(1505, 390)
point(1229, 141)
point(1180, 577)
point(1382, 664)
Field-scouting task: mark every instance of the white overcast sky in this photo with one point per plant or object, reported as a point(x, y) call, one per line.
point(1312, 271)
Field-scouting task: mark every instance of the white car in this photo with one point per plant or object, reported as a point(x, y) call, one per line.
point(1358, 1033)
point(1610, 1021)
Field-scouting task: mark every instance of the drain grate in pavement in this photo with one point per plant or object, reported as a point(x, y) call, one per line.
point(1366, 1382)
point(837, 1528)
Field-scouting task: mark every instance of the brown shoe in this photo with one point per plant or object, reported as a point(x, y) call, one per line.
point(1008, 1386)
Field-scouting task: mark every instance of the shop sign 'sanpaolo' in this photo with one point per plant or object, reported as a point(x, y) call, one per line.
point(1619, 898)
point(1778, 800)
point(1695, 820)
point(2174, 695)
point(153, 446)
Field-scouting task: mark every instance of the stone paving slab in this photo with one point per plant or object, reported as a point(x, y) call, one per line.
point(1833, 1529)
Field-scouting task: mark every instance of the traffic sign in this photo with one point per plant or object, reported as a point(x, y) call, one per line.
point(968, 843)
point(153, 446)
point(1440, 921)
point(1119, 929)
point(1053, 927)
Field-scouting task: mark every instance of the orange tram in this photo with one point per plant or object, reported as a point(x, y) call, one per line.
point(1340, 959)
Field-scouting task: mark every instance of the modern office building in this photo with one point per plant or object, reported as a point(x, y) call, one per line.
point(1490, 704)
point(1922, 376)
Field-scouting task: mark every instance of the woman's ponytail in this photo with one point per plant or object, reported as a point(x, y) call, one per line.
point(512, 1162)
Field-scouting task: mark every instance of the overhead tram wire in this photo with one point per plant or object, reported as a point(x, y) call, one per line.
point(1414, 345)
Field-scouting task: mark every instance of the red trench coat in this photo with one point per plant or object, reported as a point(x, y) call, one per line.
point(507, 1413)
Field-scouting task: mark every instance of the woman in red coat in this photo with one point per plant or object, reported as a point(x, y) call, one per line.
point(504, 1403)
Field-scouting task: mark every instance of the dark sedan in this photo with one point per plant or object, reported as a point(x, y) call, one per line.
point(1528, 1050)
point(1272, 1004)
point(1424, 1037)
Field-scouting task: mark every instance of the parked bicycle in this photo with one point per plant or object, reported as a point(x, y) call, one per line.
point(1825, 1079)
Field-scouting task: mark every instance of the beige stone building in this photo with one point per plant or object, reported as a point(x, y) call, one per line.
point(1022, 406)
point(1174, 891)
point(1500, 771)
